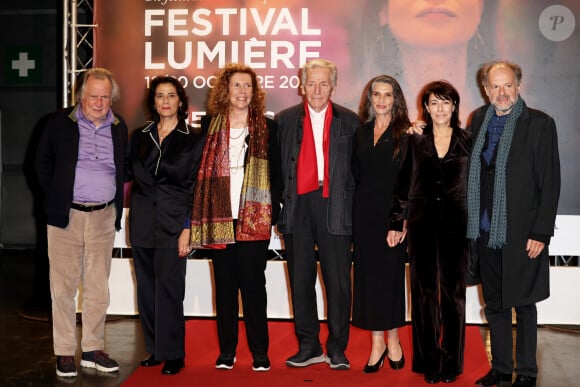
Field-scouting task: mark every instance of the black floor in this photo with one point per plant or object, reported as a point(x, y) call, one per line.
point(26, 355)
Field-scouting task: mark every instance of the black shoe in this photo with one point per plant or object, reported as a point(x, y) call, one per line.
point(150, 362)
point(172, 367)
point(399, 364)
point(448, 378)
point(261, 364)
point(371, 368)
point(305, 358)
point(225, 361)
point(65, 366)
point(432, 378)
point(493, 378)
point(524, 381)
point(337, 361)
point(99, 360)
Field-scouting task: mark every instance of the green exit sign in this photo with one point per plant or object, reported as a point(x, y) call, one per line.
point(22, 64)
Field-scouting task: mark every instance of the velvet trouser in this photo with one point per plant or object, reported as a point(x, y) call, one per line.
point(438, 262)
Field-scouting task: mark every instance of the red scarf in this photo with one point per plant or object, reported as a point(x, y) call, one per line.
point(307, 175)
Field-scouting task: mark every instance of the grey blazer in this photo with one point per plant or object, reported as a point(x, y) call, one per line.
point(343, 125)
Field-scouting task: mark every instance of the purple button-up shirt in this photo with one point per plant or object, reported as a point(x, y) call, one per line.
point(95, 169)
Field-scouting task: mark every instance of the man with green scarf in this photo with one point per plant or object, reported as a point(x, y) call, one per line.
point(513, 192)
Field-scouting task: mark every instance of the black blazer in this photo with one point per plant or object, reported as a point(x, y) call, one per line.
point(533, 191)
point(425, 179)
point(343, 125)
point(164, 178)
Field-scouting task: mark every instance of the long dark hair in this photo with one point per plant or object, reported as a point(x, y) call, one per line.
point(400, 116)
point(183, 110)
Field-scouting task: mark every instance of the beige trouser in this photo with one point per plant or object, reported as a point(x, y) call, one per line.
point(81, 252)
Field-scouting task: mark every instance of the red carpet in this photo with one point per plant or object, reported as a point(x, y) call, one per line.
point(202, 351)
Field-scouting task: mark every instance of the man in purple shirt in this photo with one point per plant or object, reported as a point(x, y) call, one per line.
point(80, 165)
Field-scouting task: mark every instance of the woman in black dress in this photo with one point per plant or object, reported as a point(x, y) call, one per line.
point(379, 270)
point(430, 195)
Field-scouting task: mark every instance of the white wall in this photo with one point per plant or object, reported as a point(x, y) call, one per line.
point(560, 308)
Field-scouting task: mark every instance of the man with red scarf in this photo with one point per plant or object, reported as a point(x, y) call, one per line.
point(316, 146)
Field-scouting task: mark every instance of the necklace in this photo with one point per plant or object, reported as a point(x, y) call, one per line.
point(242, 131)
point(237, 149)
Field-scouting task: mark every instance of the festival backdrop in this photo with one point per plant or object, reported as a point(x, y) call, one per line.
point(416, 41)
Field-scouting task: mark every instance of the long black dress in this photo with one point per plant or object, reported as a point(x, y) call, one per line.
point(379, 271)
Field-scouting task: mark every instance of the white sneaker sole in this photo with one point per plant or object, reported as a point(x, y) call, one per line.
point(66, 374)
point(222, 366)
point(312, 360)
point(92, 364)
point(340, 366)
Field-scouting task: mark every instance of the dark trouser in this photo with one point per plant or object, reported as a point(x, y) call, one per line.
point(437, 268)
point(335, 263)
point(499, 318)
point(240, 266)
point(160, 291)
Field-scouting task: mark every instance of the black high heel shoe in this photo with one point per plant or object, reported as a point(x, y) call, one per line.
point(399, 364)
point(369, 369)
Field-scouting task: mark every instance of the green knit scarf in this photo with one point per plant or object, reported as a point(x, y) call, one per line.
point(498, 230)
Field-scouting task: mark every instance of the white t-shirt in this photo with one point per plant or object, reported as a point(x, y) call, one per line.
point(317, 120)
point(237, 150)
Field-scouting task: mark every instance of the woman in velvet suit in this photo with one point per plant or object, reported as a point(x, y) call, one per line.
point(430, 195)
point(165, 157)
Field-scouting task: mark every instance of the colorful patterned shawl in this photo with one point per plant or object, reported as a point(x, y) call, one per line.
point(211, 217)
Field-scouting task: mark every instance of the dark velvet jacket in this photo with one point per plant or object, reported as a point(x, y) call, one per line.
point(56, 160)
point(425, 179)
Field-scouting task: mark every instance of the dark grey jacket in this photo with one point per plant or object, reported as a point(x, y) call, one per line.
point(343, 125)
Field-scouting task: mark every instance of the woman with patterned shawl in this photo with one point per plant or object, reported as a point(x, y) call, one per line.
point(236, 202)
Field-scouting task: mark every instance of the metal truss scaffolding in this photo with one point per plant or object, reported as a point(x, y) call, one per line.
point(78, 43)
